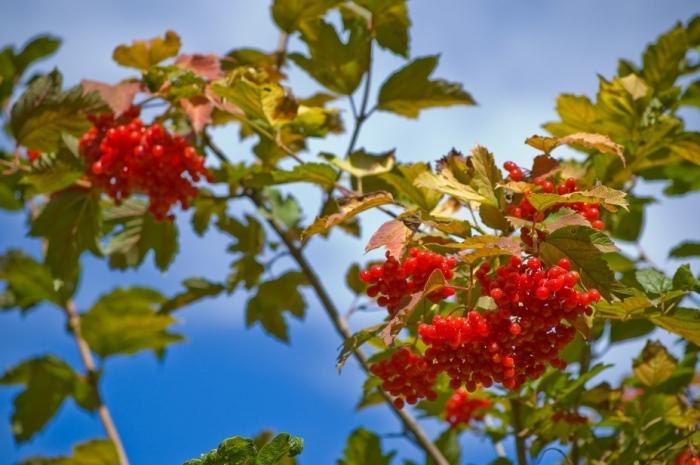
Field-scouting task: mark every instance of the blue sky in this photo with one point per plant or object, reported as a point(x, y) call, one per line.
point(514, 57)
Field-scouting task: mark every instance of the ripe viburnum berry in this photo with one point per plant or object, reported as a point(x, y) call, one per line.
point(525, 210)
point(405, 375)
point(536, 307)
point(127, 157)
point(393, 280)
point(533, 321)
point(687, 457)
point(460, 408)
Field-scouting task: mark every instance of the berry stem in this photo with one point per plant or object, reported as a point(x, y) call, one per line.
point(92, 376)
point(343, 330)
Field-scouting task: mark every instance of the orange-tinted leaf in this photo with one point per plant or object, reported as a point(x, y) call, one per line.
point(352, 207)
point(118, 97)
point(198, 110)
point(205, 65)
point(392, 235)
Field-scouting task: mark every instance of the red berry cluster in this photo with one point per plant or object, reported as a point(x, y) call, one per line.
point(405, 375)
point(127, 157)
point(525, 210)
point(514, 171)
point(391, 281)
point(518, 339)
point(460, 408)
point(687, 457)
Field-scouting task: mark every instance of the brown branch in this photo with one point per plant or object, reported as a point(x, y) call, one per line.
point(520, 446)
point(92, 377)
point(341, 327)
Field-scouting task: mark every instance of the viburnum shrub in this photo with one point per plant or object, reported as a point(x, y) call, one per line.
point(496, 300)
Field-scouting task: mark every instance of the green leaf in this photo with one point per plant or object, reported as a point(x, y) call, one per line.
point(653, 281)
point(28, 281)
point(71, 223)
point(628, 307)
point(579, 245)
point(684, 280)
point(126, 321)
point(687, 147)
point(629, 329)
point(410, 90)
point(142, 54)
point(321, 174)
point(448, 443)
point(446, 183)
point(280, 447)
point(607, 197)
point(336, 65)
point(350, 209)
point(245, 270)
point(663, 58)
point(290, 14)
point(686, 249)
point(36, 49)
point(363, 448)
point(390, 23)
point(55, 171)
point(250, 237)
point(262, 100)
point(352, 279)
point(284, 209)
point(273, 299)
point(684, 322)
point(174, 83)
point(654, 365)
point(205, 206)
point(48, 382)
point(235, 451)
point(137, 233)
point(195, 289)
point(401, 179)
point(361, 164)
point(43, 113)
point(95, 452)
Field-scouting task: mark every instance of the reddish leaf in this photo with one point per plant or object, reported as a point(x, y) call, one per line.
point(392, 235)
point(542, 165)
point(198, 110)
point(205, 65)
point(118, 97)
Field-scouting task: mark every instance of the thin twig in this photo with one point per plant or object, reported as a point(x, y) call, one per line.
point(341, 327)
point(92, 377)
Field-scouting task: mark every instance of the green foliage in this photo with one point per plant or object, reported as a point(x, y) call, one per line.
point(44, 112)
point(47, 381)
point(142, 54)
point(242, 451)
point(71, 223)
point(95, 452)
point(134, 233)
point(273, 299)
point(126, 321)
point(363, 447)
point(14, 63)
point(28, 282)
point(409, 90)
point(336, 65)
